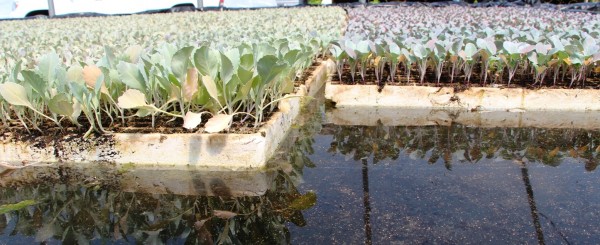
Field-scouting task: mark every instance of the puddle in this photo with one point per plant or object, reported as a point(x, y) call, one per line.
point(330, 184)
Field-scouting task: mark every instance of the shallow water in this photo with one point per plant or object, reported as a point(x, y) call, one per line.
point(330, 184)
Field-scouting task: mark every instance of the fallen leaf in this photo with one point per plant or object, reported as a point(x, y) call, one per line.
point(218, 123)
point(192, 120)
point(224, 214)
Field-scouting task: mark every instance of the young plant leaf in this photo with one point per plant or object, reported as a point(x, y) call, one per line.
point(61, 104)
point(130, 76)
point(131, 99)
point(47, 66)
point(134, 52)
point(37, 83)
point(15, 94)
point(211, 87)
point(226, 69)
point(181, 62)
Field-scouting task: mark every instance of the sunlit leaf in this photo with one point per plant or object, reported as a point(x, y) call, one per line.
point(131, 99)
point(192, 120)
point(130, 75)
point(14, 94)
point(61, 104)
point(211, 87)
point(218, 123)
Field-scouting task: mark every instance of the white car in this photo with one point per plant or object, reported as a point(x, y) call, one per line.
point(32, 8)
point(6, 6)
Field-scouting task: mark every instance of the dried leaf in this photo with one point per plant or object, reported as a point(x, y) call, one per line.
point(218, 123)
point(224, 214)
point(91, 73)
point(192, 120)
point(190, 87)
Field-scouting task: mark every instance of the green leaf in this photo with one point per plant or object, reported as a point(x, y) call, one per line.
point(420, 51)
point(470, 50)
point(511, 47)
point(394, 48)
point(226, 69)
point(131, 99)
point(75, 74)
point(305, 201)
point(130, 76)
point(268, 68)
point(16, 206)
point(143, 112)
point(181, 62)
point(15, 94)
point(207, 61)
point(247, 61)
point(15, 72)
point(47, 67)
point(211, 87)
point(37, 83)
point(291, 57)
point(243, 90)
point(61, 104)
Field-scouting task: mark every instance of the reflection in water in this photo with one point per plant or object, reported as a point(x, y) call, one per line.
point(458, 143)
point(154, 205)
point(74, 214)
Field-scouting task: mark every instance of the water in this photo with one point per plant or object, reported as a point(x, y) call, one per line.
point(331, 184)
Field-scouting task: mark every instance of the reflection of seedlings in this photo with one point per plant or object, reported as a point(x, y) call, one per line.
point(219, 188)
point(591, 165)
point(15, 206)
point(458, 143)
point(126, 168)
point(66, 211)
